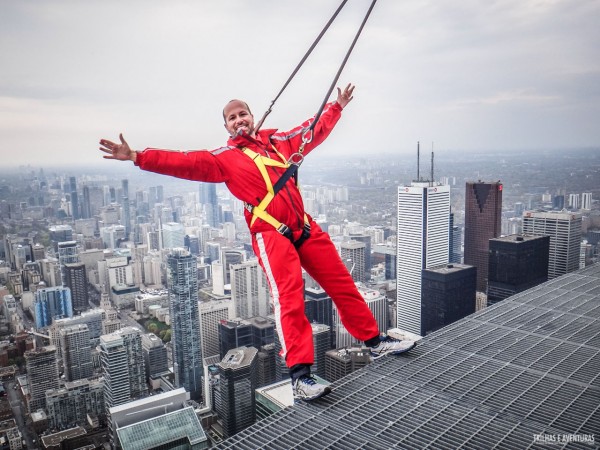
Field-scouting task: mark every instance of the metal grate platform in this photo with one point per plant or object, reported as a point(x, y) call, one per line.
point(526, 366)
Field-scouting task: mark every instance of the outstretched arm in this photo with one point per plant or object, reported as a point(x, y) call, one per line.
point(121, 152)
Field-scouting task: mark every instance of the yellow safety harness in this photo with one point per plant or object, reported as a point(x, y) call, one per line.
point(259, 211)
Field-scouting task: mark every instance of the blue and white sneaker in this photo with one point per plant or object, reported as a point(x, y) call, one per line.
point(306, 388)
point(390, 346)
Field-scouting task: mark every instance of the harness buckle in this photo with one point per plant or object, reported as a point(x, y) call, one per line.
point(284, 230)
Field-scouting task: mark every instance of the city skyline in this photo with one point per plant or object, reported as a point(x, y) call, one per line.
point(353, 198)
point(479, 76)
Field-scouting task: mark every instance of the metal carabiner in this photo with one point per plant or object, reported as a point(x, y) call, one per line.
point(307, 140)
point(297, 158)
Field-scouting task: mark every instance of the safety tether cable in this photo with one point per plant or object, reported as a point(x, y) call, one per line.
point(339, 72)
point(297, 158)
point(306, 55)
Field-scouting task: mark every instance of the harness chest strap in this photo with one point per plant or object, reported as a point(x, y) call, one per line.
point(259, 211)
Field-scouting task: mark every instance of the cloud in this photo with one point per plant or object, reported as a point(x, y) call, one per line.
point(160, 72)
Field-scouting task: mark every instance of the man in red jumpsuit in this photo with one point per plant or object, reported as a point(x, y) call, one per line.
point(281, 260)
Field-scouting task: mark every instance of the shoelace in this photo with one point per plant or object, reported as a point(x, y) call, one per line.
point(389, 341)
point(308, 380)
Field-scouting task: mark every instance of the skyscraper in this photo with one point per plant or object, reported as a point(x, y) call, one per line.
point(365, 239)
point(516, 264)
point(483, 221)
point(42, 374)
point(68, 253)
point(423, 242)
point(237, 382)
point(114, 359)
point(574, 202)
point(50, 304)
point(182, 281)
point(249, 290)
point(211, 314)
point(123, 368)
point(173, 234)
point(76, 352)
point(448, 295)
point(76, 280)
point(155, 355)
point(376, 302)
point(192, 243)
point(208, 199)
point(229, 256)
point(564, 229)
point(74, 199)
point(455, 249)
point(353, 255)
point(339, 363)
point(586, 201)
point(321, 343)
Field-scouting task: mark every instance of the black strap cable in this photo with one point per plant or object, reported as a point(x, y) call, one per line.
point(306, 55)
point(339, 72)
point(293, 168)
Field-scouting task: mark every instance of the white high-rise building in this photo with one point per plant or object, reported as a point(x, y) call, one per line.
point(574, 201)
point(586, 201)
point(249, 290)
point(211, 314)
point(564, 229)
point(423, 242)
point(123, 366)
point(376, 302)
point(353, 255)
point(173, 235)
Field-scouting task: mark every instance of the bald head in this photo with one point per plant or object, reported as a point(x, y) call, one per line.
point(231, 104)
point(238, 118)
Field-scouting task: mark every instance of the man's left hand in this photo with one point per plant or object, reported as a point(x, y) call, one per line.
point(344, 97)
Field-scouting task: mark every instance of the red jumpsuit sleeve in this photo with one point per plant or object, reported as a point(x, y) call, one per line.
point(290, 140)
point(197, 165)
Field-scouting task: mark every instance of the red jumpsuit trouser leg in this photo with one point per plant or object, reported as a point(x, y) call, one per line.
point(282, 265)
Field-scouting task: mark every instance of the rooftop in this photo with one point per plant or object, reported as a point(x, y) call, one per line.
point(518, 374)
point(161, 430)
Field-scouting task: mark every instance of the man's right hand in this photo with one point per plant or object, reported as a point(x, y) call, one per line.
point(121, 151)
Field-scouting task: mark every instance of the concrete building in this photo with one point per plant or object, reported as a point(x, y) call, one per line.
point(341, 362)
point(42, 374)
point(78, 402)
point(155, 355)
point(76, 352)
point(249, 289)
point(564, 229)
point(212, 313)
point(237, 382)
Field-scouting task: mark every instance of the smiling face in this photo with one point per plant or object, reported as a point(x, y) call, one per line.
point(238, 118)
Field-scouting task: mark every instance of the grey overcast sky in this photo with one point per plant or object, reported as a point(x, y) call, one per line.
point(468, 75)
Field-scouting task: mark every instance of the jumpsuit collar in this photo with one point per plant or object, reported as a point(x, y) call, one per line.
point(261, 141)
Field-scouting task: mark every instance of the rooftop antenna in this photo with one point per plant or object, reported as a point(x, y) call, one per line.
point(431, 181)
point(418, 161)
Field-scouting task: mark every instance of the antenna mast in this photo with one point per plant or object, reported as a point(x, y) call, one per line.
point(418, 161)
point(431, 182)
